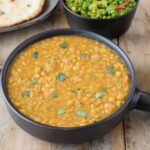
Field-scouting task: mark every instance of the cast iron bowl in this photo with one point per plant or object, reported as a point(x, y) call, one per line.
point(110, 28)
point(136, 98)
point(49, 8)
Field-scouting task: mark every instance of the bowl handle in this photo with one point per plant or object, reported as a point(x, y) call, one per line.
point(142, 100)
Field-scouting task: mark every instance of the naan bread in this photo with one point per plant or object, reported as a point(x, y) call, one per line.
point(17, 11)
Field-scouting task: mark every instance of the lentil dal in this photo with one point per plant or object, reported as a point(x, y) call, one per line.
point(68, 81)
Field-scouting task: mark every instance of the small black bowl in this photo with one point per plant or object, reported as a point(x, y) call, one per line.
point(110, 28)
point(136, 98)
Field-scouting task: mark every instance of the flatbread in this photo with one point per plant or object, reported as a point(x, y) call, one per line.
point(17, 11)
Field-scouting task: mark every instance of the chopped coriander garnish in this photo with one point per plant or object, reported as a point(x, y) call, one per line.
point(76, 91)
point(93, 78)
point(51, 59)
point(61, 111)
point(54, 94)
point(34, 80)
point(81, 113)
point(99, 94)
point(35, 54)
point(104, 90)
point(118, 84)
point(111, 70)
point(94, 121)
point(63, 45)
point(25, 94)
point(85, 55)
point(61, 77)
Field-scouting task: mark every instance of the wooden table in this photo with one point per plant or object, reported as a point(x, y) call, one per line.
point(132, 134)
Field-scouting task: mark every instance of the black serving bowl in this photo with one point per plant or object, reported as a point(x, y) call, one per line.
point(110, 28)
point(136, 98)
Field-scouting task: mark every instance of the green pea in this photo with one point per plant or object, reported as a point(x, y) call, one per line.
point(100, 9)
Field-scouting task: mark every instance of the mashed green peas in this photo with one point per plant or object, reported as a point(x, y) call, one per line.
point(102, 9)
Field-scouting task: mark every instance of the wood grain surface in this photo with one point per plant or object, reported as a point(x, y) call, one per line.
point(136, 43)
point(132, 134)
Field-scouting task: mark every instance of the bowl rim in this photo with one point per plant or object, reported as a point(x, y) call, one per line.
point(100, 19)
point(65, 31)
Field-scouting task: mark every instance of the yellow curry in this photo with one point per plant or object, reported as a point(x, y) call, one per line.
point(68, 81)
